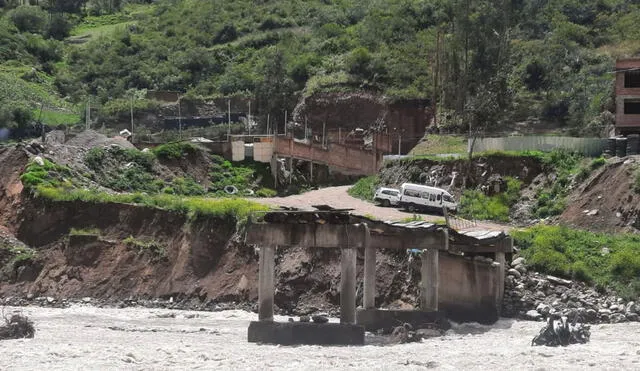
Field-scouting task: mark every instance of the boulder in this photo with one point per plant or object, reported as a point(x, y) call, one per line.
point(515, 273)
point(533, 315)
point(543, 309)
point(517, 262)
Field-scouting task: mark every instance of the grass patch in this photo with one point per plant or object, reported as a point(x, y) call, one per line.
point(606, 260)
point(433, 144)
point(232, 208)
point(155, 249)
point(84, 232)
point(476, 205)
point(48, 174)
point(365, 188)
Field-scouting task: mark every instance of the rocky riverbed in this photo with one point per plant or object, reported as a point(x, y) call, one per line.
point(533, 296)
point(87, 337)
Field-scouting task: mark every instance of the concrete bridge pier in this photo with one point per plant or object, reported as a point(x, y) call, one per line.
point(266, 288)
point(369, 294)
point(348, 286)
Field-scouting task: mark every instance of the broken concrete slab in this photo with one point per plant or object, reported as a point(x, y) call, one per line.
point(305, 333)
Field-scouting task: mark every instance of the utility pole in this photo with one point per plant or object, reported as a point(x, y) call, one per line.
point(229, 118)
point(305, 129)
point(285, 123)
point(179, 119)
point(324, 136)
point(268, 128)
point(399, 142)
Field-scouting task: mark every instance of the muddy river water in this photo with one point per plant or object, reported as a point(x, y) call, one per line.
point(90, 338)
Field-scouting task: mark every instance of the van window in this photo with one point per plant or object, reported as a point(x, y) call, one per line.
point(411, 193)
point(390, 193)
point(425, 195)
point(438, 198)
point(432, 197)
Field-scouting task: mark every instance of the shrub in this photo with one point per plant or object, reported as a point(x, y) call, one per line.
point(29, 18)
point(365, 188)
point(149, 246)
point(84, 232)
point(174, 151)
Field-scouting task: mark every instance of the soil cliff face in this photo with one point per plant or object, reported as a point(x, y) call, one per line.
point(364, 110)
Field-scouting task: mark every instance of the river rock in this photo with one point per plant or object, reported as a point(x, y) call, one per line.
point(533, 315)
point(632, 317)
point(515, 273)
point(631, 308)
point(543, 309)
point(305, 319)
point(521, 268)
point(517, 262)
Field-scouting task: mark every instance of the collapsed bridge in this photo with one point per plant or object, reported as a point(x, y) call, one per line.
point(452, 285)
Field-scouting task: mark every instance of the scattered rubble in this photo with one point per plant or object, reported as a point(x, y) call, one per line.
point(534, 296)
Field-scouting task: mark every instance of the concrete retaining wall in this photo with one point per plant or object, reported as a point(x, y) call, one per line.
point(587, 146)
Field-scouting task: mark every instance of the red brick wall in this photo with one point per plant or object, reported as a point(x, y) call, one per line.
point(623, 93)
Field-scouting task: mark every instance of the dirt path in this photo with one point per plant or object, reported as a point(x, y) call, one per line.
point(338, 198)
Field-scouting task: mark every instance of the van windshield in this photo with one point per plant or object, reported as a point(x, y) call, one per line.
point(447, 198)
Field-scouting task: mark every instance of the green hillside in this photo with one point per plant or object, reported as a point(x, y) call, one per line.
point(486, 63)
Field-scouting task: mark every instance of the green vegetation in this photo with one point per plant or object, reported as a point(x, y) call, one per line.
point(484, 64)
point(48, 174)
point(550, 200)
point(234, 208)
point(13, 256)
point(433, 144)
point(174, 151)
point(85, 232)
point(365, 188)
point(476, 205)
point(244, 176)
point(602, 259)
point(147, 246)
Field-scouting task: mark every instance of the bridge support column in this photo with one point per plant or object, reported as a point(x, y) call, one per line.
point(430, 280)
point(266, 289)
point(348, 286)
point(369, 295)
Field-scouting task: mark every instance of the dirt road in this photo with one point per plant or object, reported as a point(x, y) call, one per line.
point(338, 198)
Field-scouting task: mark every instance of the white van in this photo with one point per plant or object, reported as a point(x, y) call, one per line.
point(421, 197)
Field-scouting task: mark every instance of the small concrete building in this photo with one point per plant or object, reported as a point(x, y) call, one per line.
point(628, 96)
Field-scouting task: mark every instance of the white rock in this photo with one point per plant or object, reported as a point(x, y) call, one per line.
point(38, 160)
point(50, 299)
point(604, 311)
point(631, 307)
point(614, 308)
point(86, 299)
point(533, 314)
point(592, 212)
point(517, 262)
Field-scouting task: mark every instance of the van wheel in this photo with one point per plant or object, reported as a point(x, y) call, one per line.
point(386, 203)
point(411, 208)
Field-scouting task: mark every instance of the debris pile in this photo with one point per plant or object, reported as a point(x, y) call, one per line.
point(558, 331)
point(535, 296)
point(17, 327)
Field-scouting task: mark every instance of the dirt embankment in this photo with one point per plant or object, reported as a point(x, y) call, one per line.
point(607, 201)
point(349, 111)
point(115, 252)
